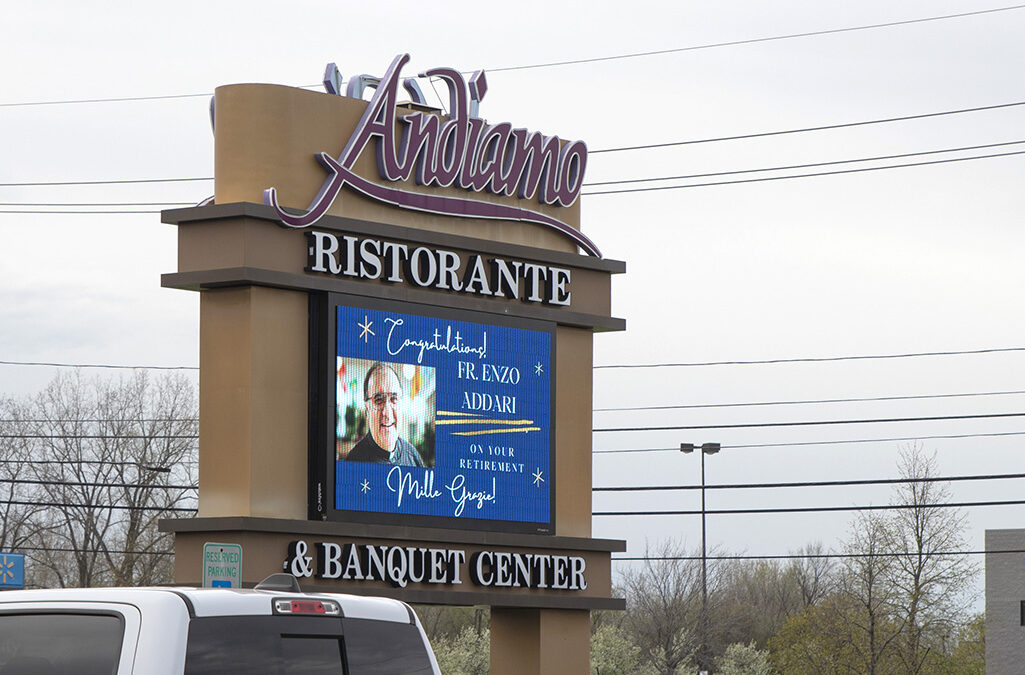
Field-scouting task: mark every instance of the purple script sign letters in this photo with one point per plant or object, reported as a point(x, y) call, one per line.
point(462, 151)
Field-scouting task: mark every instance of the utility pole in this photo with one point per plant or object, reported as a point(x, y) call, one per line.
point(703, 660)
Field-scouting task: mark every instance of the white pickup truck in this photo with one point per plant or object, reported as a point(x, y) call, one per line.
point(270, 630)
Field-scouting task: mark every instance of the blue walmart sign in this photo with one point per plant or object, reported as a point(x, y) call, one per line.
point(12, 570)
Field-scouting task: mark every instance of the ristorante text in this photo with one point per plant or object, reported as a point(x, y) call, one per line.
point(392, 262)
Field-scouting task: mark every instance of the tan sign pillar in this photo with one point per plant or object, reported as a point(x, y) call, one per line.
point(275, 472)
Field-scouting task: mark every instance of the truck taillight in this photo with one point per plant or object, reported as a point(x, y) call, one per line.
point(307, 607)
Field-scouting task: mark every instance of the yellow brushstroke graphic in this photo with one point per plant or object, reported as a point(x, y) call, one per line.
point(481, 432)
point(476, 418)
point(484, 422)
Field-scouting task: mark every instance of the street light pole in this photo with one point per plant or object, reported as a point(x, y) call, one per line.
point(706, 449)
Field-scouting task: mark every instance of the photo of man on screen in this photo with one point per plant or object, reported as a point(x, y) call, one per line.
point(383, 401)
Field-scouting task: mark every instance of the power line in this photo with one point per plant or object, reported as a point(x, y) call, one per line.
point(785, 556)
point(551, 64)
point(592, 184)
point(123, 99)
point(97, 420)
point(93, 365)
point(595, 193)
point(99, 485)
point(808, 509)
point(802, 166)
point(98, 204)
point(54, 364)
point(649, 146)
point(106, 182)
point(757, 425)
point(806, 556)
point(906, 438)
point(437, 95)
point(116, 437)
point(51, 549)
point(622, 191)
point(115, 507)
point(81, 213)
point(811, 359)
point(596, 430)
point(695, 406)
point(734, 43)
point(804, 401)
point(825, 127)
point(148, 467)
point(804, 175)
point(634, 147)
point(835, 442)
point(120, 99)
point(825, 483)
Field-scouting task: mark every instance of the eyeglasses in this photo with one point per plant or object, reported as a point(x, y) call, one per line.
point(381, 399)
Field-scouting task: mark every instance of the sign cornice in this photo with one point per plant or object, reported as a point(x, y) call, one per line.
point(211, 212)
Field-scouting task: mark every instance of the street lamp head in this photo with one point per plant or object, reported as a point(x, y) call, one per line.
point(710, 448)
point(707, 448)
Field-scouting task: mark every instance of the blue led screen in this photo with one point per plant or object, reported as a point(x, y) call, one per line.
point(441, 417)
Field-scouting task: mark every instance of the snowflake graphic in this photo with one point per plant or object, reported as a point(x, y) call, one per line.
point(365, 331)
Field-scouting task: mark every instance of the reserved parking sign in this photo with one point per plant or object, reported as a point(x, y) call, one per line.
point(222, 565)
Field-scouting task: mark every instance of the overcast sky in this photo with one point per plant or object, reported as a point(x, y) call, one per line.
point(878, 262)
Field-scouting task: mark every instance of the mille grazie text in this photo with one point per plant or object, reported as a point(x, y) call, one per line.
point(349, 256)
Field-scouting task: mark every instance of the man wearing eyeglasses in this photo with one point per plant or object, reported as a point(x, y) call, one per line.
point(382, 401)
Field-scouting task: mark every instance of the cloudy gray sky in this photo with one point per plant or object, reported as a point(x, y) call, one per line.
point(876, 262)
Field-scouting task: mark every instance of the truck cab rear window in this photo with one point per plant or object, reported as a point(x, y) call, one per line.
point(60, 644)
point(283, 645)
point(311, 655)
point(383, 647)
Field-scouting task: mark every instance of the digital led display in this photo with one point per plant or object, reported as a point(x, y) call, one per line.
point(437, 416)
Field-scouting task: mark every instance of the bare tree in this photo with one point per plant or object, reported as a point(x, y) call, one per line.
point(119, 455)
point(868, 596)
point(150, 432)
point(440, 621)
point(20, 520)
point(899, 590)
point(73, 486)
point(664, 607)
point(758, 596)
point(928, 575)
point(845, 622)
point(813, 573)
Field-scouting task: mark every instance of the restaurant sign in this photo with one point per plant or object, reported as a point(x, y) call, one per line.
point(462, 150)
point(404, 565)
